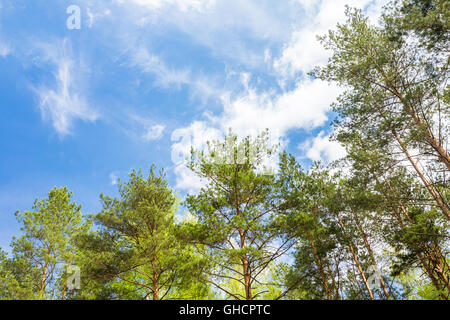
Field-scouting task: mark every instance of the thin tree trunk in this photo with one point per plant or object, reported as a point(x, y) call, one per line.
point(422, 259)
point(44, 277)
point(321, 269)
point(433, 192)
point(426, 248)
point(355, 258)
point(432, 141)
point(425, 181)
point(371, 255)
point(247, 284)
point(245, 269)
point(155, 287)
point(333, 282)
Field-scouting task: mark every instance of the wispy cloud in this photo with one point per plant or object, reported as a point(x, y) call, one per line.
point(92, 17)
point(183, 5)
point(4, 49)
point(139, 127)
point(63, 102)
point(150, 63)
point(213, 24)
point(200, 86)
point(154, 133)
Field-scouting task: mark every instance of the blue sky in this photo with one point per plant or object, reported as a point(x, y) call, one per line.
point(143, 80)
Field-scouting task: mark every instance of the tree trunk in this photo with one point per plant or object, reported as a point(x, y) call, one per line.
point(44, 277)
point(422, 259)
point(321, 269)
point(432, 141)
point(355, 258)
point(429, 256)
point(155, 287)
point(425, 181)
point(427, 184)
point(371, 255)
point(245, 269)
point(247, 284)
point(333, 282)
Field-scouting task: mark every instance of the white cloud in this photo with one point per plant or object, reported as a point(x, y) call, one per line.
point(200, 86)
point(249, 114)
point(322, 148)
point(303, 52)
point(5, 49)
point(187, 180)
point(303, 107)
point(64, 103)
point(95, 16)
point(153, 133)
point(138, 126)
point(194, 136)
point(150, 63)
point(233, 29)
point(307, 4)
point(183, 5)
point(374, 10)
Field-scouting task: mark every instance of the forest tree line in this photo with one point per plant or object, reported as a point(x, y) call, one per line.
point(372, 225)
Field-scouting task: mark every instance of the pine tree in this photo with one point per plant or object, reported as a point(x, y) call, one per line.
point(46, 248)
point(235, 211)
point(135, 254)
